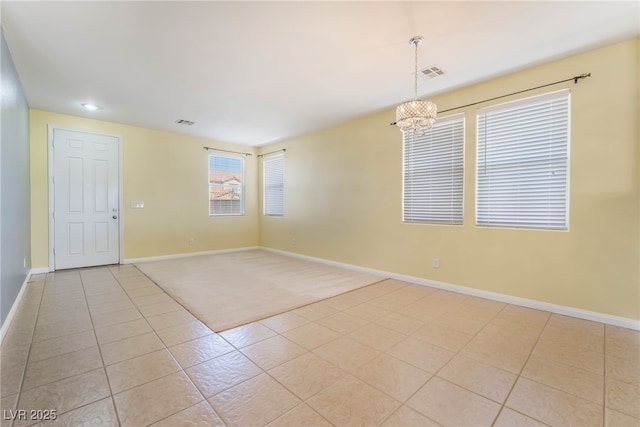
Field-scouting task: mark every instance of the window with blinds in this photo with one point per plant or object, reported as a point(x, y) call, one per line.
point(273, 183)
point(522, 163)
point(226, 185)
point(434, 173)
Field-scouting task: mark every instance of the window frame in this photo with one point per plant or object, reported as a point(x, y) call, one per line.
point(239, 188)
point(267, 191)
point(526, 203)
point(411, 209)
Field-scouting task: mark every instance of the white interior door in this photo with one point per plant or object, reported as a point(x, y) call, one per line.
point(86, 195)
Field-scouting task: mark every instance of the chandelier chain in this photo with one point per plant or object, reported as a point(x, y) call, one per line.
point(415, 74)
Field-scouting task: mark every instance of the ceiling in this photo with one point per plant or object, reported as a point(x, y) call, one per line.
point(259, 72)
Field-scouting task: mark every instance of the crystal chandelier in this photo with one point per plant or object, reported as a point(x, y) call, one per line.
point(416, 115)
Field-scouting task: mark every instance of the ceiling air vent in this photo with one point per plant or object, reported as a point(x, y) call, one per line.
point(433, 71)
point(184, 122)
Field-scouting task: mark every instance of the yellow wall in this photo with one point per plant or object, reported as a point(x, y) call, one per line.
point(343, 197)
point(165, 170)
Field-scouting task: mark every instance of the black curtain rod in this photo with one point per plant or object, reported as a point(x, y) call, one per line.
point(575, 81)
point(277, 151)
point(227, 151)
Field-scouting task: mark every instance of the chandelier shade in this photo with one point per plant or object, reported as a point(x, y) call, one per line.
point(416, 115)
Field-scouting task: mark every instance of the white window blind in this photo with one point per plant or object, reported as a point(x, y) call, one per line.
point(434, 173)
point(273, 182)
point(226, 185)
point(522, 163)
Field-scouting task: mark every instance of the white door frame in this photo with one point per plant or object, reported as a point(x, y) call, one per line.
point(50, 129)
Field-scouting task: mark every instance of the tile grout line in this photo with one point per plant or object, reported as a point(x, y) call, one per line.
point(26, 363)
point(104, 367)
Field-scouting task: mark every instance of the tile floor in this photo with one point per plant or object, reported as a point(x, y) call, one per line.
point(106, 346)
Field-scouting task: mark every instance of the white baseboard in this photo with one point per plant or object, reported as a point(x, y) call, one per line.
point(525, 302)
point(188, 254)
point(7, 322)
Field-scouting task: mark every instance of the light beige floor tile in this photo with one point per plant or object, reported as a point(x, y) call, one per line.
point(625, 370)
point(510, 418)
point(421, 354)
point(7, 405)
point(617, 419)
point(168, 320)
point(565, 353)
point(121, 316)
point(341, 302)
point(552, 406)
point(367, 312)
point(448, 404)
point(396, 378)
point(284, 322)
point(243, 336)
point(407, 417)
point(11, 357)
point(116, 294)
point(624, 347)
point(159, 308)
point(566, 378)
point(342, 322)
point(346, 353)
point(144, 291)
point(140, 370)
point(60, 367)
point(390, 302)
point(376, 336)
point(200, 415)
point(459, 322)
point(272, 352)
point(62, 345)
point(152, 299)
point(306, 375)
point(623, 397)
point(352, 402)
point(100, 413)
point(73, 315)
point(311, 335)
point(128, 348)
point(257, 401)
point(580, 326)
point(223, 372)
point(200, 350)
point(486, 380)
point(183, 332)
point(156, 400)
point(399, 323)
point(60, 329)
point(301, 415)
point(11, 379)
point(67, 394)
point(122, 331)
point(315, 311)
point(441, 336)
point(499, 352)
point(111, 307)
point(575, 338)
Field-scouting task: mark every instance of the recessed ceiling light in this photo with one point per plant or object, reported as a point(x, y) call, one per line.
point(91, 107)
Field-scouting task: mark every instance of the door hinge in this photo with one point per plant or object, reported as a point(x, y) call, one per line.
point(54, 251)
point(53, 215)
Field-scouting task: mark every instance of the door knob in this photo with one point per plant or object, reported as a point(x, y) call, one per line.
point(115, 217)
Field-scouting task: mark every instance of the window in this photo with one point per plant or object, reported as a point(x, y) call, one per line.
point(273, 182)
point(522, 163)
point(226, 185)
point(434, 173)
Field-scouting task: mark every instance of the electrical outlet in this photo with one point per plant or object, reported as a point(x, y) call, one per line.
point(436, 263)
point(191, 241)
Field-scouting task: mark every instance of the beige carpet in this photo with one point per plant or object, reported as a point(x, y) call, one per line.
point(232, 289)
